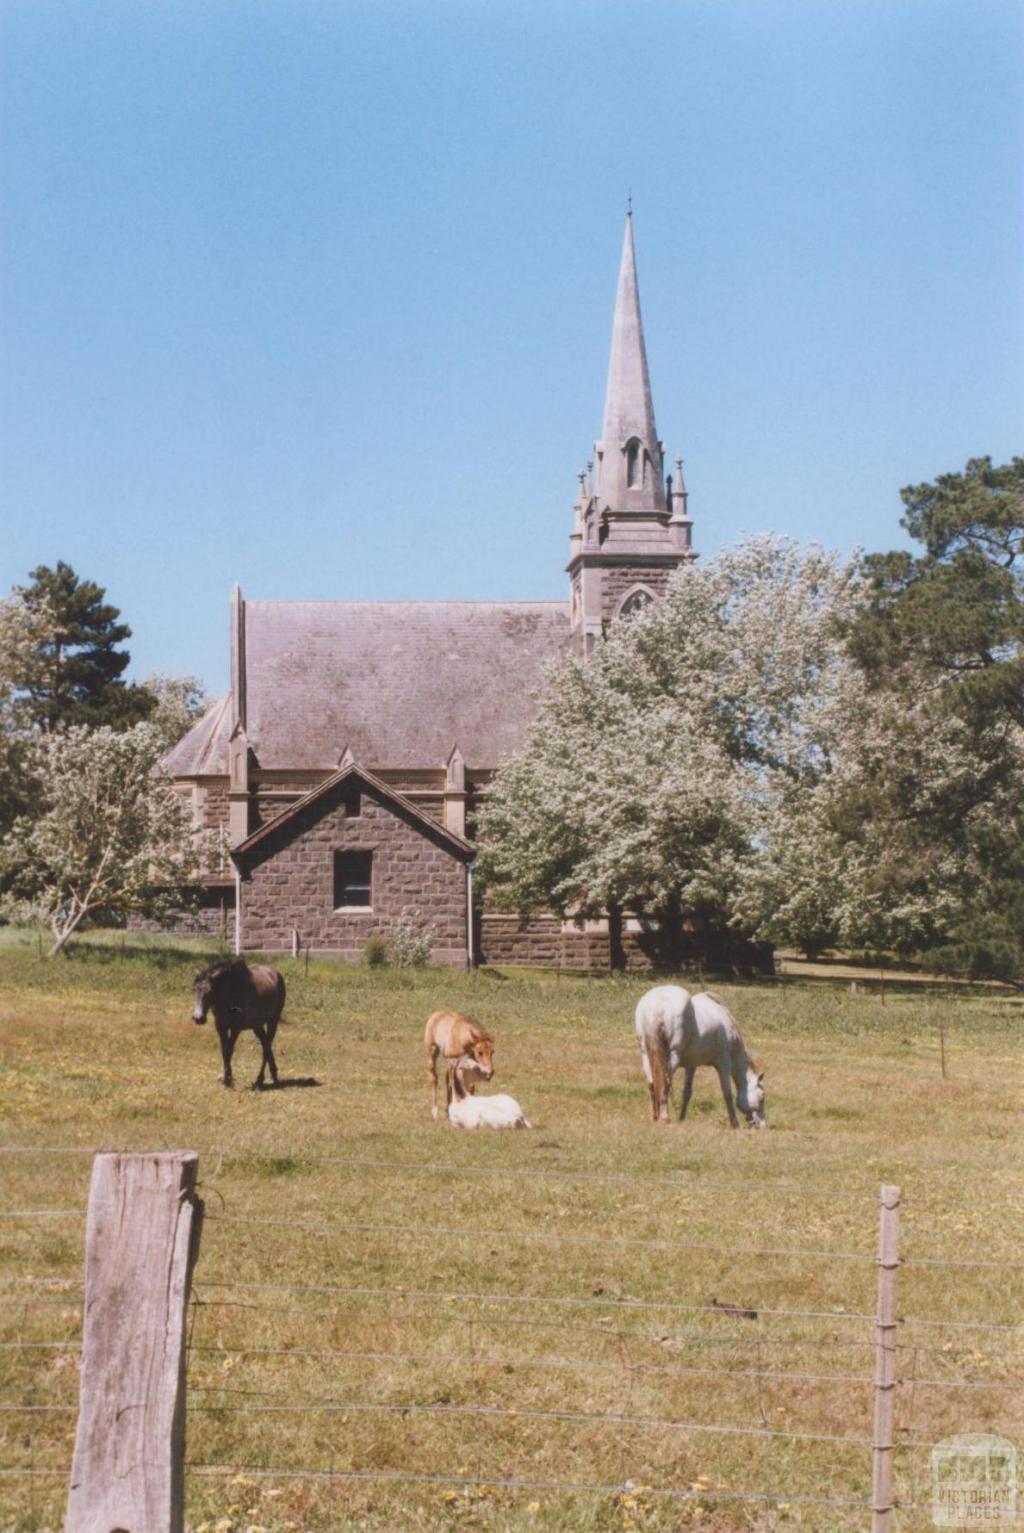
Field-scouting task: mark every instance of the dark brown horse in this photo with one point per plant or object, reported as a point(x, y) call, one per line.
point(240, 997)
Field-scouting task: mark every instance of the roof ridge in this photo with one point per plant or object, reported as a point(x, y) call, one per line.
point(321, 789)
point(397, 601)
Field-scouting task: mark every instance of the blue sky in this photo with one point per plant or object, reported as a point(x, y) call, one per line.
point(316, 295)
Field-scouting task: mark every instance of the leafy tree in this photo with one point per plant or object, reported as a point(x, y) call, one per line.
point(76, 672)
point(954, 615)
point(108, 833)
point(941, 643)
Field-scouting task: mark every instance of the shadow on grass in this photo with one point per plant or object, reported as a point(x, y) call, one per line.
point(292, 1081)
point(93, 955)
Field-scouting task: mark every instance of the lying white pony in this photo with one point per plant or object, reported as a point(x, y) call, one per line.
point(497, 1111)
point(679, 1030)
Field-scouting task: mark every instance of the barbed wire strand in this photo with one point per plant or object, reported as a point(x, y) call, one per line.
point(42, 1213)
point(685, 1180)
point(460, 1232)
point(573, 1364)
point(418, 1167)
point(19, 1346)
point(446, 1360)
point(684, 1336)
point(334, 1406)
point(572, 1486)
point(689, 1336)
point(512, 1413)
point(619, 1304)
point(954, 1261)
point(539, 1299)
point(963, 1325)
point(692, 1335)
point(457, 1232)
point(401, 1477)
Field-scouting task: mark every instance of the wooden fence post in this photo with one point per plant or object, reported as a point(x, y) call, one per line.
point(885, 1360)
point(142, 1239)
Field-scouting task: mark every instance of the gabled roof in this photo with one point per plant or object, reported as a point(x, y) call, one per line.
point(203, 752)
point(396, 682)
point(456, 844)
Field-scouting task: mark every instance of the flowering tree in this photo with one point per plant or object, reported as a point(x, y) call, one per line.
point(107, 832)
point(179, 702)
point(675, 768)
point(25, 633)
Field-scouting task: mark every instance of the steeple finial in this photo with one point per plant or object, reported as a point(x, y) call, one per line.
point(631, 476)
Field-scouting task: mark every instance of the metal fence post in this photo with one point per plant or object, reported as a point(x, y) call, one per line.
point(142, 1240)
point(885, 1360)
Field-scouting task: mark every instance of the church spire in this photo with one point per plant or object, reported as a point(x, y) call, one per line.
point(631, 461)
point(626, 538)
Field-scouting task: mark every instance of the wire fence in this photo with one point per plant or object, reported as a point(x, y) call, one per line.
point(523, 1357)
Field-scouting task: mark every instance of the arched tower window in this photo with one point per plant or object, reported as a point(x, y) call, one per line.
point(634, 464)
point(635, 601)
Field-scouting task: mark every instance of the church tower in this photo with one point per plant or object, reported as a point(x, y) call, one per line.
point(630, 527)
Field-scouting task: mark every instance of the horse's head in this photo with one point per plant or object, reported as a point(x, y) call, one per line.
point(481, 1052)
point(468, 1073)
point(751, 1100)
point(220, 988)
point(202, 994)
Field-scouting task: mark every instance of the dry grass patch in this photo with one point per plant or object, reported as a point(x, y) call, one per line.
point(377, 1293)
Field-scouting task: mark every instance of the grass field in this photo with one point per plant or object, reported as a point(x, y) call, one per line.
point(347, 1184)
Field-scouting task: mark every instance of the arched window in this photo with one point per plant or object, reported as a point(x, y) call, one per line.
point(634, 464)
point(635, 601)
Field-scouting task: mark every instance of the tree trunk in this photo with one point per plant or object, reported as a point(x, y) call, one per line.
point(616, 951)
point(672, 932)
point(62, 933)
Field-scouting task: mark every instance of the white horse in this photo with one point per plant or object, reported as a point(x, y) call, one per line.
point(679, 1030)
point(496, 1111)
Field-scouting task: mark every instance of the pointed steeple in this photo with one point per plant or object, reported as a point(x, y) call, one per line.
point(631, 456)
point(626, 538)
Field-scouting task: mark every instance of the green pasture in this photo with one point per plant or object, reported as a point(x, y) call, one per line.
point(318, 1190)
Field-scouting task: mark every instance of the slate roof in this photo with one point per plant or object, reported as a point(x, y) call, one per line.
point(324, 790)
point(203, 752)
point(397, 683)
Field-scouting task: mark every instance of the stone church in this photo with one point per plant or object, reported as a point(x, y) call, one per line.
point(341, 773)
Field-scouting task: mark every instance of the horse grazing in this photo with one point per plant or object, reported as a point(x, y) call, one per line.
point(679, 1030)
point(240, 998)
point(457, 1038)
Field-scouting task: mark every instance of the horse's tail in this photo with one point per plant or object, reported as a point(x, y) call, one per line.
point(656, 1045)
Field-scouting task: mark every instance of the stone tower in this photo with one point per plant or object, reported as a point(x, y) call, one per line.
point(630, 527)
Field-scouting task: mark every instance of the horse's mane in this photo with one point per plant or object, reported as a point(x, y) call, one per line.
point(751, 1061)
point(719, 1002)
point(221, 966)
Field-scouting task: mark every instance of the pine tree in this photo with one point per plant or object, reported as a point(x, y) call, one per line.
point(77, 677)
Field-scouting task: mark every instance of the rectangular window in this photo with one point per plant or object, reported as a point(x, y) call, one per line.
point(353, 880)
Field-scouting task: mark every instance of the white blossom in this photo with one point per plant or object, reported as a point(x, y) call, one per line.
point(109, 834)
